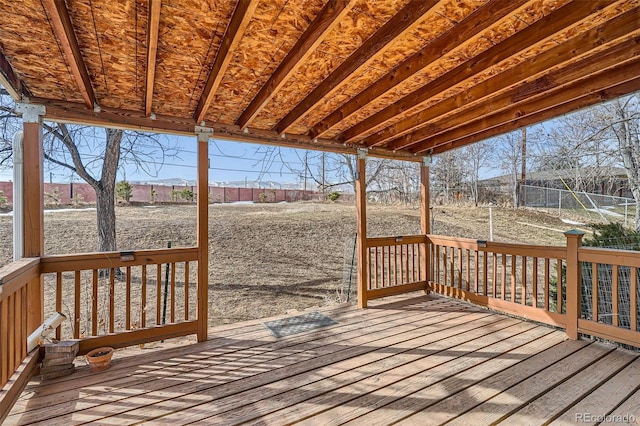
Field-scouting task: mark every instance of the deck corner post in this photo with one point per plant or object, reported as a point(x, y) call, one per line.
point(33, 204)
point(574, 242)
point(361, 211)
point(425, 220)
point(203, 232)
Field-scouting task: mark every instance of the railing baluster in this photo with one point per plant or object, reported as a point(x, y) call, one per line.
point(514, 261)
point(614, 296)
point(485, 275)
point(18, 325)
point(444, 265)
point(173, 292)
point(468, 283)
point(460, 268)
point(76, 306)
point(495, 274)
point(186, 291)
point(383, 269)
point(594, 291)
point(11, 302)
point(559, 288)
point(4, 341)
point(534, 283)
point(476, 280)
point(158, 293)
point(547, 283)
point(112, 290)
point(59, 302)
point(452, 267)
point(503, 278)
point(633, 296)
point(407, 278)
point(389, 262)
point(94, 303)
point(524, 280)
point(128, 299)
point(143, 297)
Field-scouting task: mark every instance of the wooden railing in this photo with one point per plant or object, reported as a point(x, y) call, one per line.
point(609, 294)
point(122, 298)
point(396, 265)
point(513, 278)
point(17, 281)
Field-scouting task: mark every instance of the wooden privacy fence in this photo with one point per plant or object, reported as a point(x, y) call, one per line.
point(396, 265)
point(122, 298)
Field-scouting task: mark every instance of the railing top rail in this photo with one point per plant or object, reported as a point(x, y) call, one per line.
point(117, 259)
point(399, 240)
point(17, 274)
point(609, 256)
point(553, 252)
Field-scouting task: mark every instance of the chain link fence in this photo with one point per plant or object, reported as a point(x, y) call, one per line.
point(609, 208)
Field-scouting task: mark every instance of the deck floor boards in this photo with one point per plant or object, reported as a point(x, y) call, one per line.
point(409, 359)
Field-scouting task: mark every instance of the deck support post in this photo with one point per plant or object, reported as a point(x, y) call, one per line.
point(33, 205)
point(425, 220)
point(573, 287)
point(361, 212)
point(203, 232)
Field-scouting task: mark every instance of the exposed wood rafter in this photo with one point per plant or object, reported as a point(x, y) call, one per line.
point(470, 27)
point(239, 21)
point(607, 85)
point(70, 112)
point(153, 26)
point(488, 97)
point(558, 20)
point(63, 30)
point(405, 20)
point(330, 14)
point(9, 80)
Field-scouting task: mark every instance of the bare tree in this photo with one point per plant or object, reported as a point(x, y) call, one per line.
point(95, 155)
point(448, 173)
point(476, 157)
point(510, 152)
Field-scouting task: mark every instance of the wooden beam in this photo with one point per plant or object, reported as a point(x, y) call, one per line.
point(592, 65)
point(532, 35)
point(591, 98)
point(239, 21)
point(323, 23)
point(10, 81)
point(203, 235)
point(532, 67)
point(63, 30)
point(401, 23)
point(547, 100)
point(153, 25)
point(69, 112)
point(361, 213)
point(478, 21)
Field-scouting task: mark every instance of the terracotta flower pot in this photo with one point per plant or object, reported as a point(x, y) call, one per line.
point(100, 358)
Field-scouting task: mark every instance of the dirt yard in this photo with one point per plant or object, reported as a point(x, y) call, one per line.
point(270, 259)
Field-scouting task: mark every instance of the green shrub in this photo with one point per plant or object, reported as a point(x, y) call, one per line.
point(333, 196)
point(3, 199)
point(124, 191)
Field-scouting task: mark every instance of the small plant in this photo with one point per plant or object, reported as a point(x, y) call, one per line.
point(77, 199)
point(175, 194)
point(3, 199)
point(187, 194)
point(53, 197)
point(124, 191)
point(613, 235)
point(333, 196)
point(263, 197)
point(154, 196)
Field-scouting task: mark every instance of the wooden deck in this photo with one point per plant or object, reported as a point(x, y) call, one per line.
point(412, 360)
